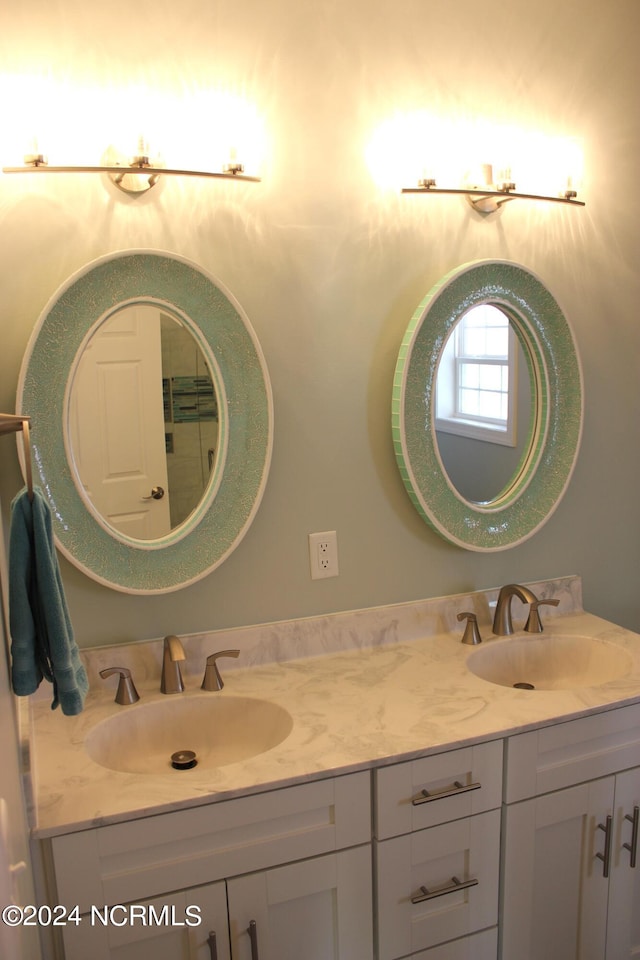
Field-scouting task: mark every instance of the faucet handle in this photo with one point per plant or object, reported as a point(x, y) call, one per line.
point(212, 679)
point(126, 692)
point(534, 623)
point(471, 633)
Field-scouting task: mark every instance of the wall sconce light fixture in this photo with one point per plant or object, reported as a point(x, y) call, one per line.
point(133, 175)
point(488, 197)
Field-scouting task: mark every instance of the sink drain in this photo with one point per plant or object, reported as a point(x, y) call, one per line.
point(524, 686)
point(183, 760)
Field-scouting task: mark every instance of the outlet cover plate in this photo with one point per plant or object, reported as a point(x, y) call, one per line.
point(323, 554)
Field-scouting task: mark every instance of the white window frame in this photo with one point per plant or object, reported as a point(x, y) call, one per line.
point(448, 416)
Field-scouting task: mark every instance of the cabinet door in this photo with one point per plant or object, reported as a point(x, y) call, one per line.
point(156, 929)
point(318, 909)
point(623, 923)
point(554, 888)
point(437, 884)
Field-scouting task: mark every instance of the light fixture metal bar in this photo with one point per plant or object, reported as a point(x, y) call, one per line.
point(127, 170)
point(499, 194)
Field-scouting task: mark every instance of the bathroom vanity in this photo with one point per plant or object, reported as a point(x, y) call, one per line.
point(415, 808)
point(295, 862)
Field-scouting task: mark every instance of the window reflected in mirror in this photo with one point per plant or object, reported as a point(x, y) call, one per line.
point(477, 374)
point(484, 403)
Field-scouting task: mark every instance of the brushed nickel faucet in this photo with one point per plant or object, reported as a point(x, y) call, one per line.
point(471, 633)
point(502, 622)
point(126, 692)
point(212, 679)
point(173, 652)
point(534, 623)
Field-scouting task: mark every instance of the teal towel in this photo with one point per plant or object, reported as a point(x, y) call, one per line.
point(42, 642)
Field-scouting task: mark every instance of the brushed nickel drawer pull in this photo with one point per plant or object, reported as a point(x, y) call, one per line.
point(211, 940)
point(455, 884)
point(425, 796)
point(606, 856)
point(633, 846)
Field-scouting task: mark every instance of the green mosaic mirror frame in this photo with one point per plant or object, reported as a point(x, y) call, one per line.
point(227, 339)
point(535, 490)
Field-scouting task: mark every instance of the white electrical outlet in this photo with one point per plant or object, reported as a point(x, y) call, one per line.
point(323, 554)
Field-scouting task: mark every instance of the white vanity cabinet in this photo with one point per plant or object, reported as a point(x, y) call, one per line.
point(570, 887)
point(437, 855)
point(277, 876)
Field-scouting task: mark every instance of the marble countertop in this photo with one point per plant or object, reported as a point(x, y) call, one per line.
point(352, 710)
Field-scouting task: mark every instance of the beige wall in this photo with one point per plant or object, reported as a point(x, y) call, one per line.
point(329, 267)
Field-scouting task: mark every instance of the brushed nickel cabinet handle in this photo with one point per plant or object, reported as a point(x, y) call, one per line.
point(426, 894)
point(425, 796)
point(606, 856)
point(252, 930)
point(633, 846)
point(211, 940)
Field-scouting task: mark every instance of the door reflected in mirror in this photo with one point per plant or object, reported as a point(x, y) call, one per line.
point(486, 405)
point(143, 422)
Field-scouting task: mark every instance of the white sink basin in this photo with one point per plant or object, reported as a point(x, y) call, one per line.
point(219, 729)
point(549, 662)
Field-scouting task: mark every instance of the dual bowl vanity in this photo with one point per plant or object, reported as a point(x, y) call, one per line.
point(365, 786)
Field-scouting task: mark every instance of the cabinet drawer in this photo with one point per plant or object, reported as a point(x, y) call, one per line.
point(420, 904)
point(568, 753)
point(448, 786)
point(142, 858)
point(479, 946)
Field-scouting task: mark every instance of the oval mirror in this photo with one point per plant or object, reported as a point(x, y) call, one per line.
point(464, 380)
point(212, 413)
